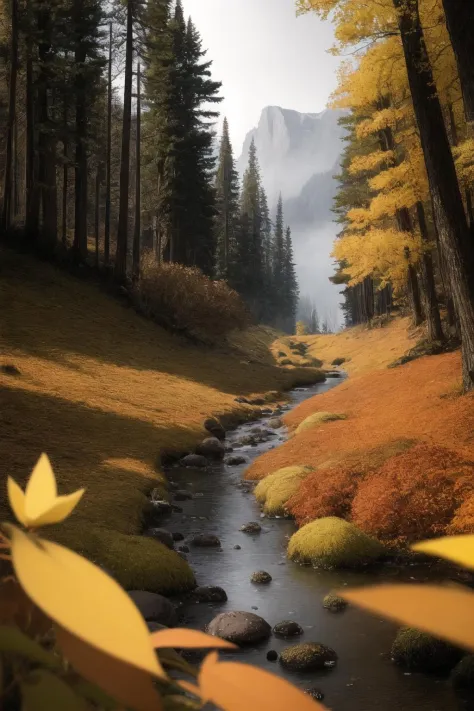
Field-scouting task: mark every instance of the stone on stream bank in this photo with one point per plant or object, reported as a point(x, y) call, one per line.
point(205, 540)
point(418, 651)
point(211, 448)
point(288, 628)
point(275, 423)
point(215, 428)
point(154, 607)
point(210, 593)
point(251, 527)
point(333, 543)
point(239, 627)
point(261, 577)
point(162, 535)
point(194, 461)
point(334, 603)
point(236, 460)
point(307, 656)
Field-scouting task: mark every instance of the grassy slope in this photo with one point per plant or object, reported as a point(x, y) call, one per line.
point(418, 401)
point(105, 393)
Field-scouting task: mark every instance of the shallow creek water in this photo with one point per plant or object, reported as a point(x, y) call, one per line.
point(364, 679)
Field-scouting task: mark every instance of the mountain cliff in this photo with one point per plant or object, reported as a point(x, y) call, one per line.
point(299, 154)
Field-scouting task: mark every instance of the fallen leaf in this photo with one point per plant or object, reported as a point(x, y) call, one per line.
point(83, 599)
point(129, 685)
point(459, 549)
point(444, 612)
point(234, 686)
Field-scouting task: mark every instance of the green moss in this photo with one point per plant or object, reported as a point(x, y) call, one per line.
point(307, 656)
point(318, 418)
point(334, 603)
point(137, 562)
point(333, 543)
point(462, 676)
point(276, 489)
point(420, 652)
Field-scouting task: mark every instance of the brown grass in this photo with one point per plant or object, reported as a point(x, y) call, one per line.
point(105, 392)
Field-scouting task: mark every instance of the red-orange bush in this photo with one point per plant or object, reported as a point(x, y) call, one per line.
point(463, 521)
point(327, 492)
point(413, 495)
point(185, 300)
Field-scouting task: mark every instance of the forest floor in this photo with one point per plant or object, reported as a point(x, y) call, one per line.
point(401, 465)
point(105, 393)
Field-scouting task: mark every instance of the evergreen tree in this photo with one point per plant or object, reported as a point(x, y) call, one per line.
point(267, 258)
point(249, 261)
point(278, 268)
point(290, 291)
point(227, 205)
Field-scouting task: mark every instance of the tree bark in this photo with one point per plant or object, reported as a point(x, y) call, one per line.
point(137, 230)
point(448, 208)
point(460, 21)
point(108, 163)
point(431, 308)
point(31, 163)
point(97, 214)
point(80, 168)
point(8, 176)
point(122, 231)
point(405, 225)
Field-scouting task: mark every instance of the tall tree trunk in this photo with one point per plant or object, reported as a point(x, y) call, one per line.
point(137, 230)
point(8, 176)
point(460, 21)
point(80, 168)
point(405, 225)
point(65, 193)
point(431, 308)
point(16, 176)
point(448, 208)
point(122, 231)
point(98, 176)
point(108, 164)
point(31, 163)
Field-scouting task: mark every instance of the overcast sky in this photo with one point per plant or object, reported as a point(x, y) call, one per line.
point(265, 56)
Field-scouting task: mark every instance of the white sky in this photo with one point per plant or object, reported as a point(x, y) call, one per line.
point(265, 56)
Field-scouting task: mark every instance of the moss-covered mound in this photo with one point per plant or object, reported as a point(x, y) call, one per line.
point(276, 489)
point(137, 562)
point(334, 603)
point(333, 543)
point(462, 676)
point(420, 652)
point(318, 418)
point(307, 657)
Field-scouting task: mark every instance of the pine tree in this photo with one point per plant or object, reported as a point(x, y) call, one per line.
point(278, 261)
point(249, 261)
point(227, 205)
point(291, 290)
point(267, 259)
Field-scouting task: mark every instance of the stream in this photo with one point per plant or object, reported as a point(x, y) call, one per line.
point(364, 678)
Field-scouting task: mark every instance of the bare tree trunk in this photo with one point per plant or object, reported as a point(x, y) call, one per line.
point(122, 232)
point(80, 168)
point(65, 193)
point(97, 214)
point(8, 177)
point(431, 308)
point(31, 164)
point(137, 231)
point(460, 21)
point(109, 156)
point(16, 176)
point(448, 208)
point(405, 225)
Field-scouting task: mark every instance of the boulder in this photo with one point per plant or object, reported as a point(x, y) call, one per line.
point(210, 593)
point(307, 656)
point(154, 607)
point(333, 543)
point(261, 577)
point(211, 448)
point(462, 676)
point(334, 603)
point(215, 428)
point(239, 627)
point(235, 460)
point(177, 536)
point(288, 628)
point(182, 495)
point(275, 423)
point(194, 461)
point(251, 527)
point(205, 540)
point(162, 535)
point(417, 651)
point(153, 513)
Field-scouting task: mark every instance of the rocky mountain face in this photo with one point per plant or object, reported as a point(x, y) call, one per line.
point(299, 155)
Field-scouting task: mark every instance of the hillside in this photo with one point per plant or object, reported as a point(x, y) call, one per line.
point(401, 462)
point(105, 393)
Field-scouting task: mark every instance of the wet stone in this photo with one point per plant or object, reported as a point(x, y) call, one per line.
point(261, 577)
point(251, 527)
point(205, 540)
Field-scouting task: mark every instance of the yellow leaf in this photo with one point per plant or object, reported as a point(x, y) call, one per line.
point(234, 686)
point(187, 639)
point(444, 612)
point(130, 686)
point(61, 509)
point(17, 500)
point(459, 549)
point(41, 489)
point(83, 599)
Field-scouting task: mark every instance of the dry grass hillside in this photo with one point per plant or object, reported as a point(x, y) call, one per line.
point(105, 392)
point(401, 463)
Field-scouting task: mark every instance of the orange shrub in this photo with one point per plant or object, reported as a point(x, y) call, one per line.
point(185, 300)
point(327, 492)
point(413, 495)
point(463, 521)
